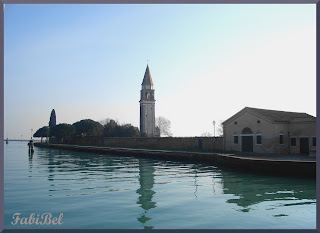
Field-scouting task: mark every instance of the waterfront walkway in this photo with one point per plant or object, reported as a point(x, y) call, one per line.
point(286, 157)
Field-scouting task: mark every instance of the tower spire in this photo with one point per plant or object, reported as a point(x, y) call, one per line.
point(147, 105)
point(147, 82)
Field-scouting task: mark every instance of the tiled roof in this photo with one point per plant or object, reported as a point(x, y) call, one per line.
point(280, 115)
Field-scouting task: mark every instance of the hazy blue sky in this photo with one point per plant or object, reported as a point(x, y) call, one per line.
point(207, 62)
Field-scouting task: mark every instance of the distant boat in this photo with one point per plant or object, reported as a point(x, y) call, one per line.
point(7, 141)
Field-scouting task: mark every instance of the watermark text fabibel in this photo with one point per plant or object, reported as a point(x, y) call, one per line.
point(37, 219)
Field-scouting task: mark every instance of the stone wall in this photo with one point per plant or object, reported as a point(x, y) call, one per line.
point(282, 167)
point(187, 143)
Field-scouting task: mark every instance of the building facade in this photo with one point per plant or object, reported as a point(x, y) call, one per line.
point(147, 105)
point(270, 131)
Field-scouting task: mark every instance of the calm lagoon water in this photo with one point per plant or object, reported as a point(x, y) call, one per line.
point(96, 191)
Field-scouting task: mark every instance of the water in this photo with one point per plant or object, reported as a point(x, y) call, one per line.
point(111, 192)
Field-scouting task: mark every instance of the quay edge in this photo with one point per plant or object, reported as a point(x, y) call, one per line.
point(267, 166)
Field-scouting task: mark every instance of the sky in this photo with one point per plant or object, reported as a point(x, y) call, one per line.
point(207, 62)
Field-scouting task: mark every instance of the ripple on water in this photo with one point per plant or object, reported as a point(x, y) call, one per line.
point(104, 191)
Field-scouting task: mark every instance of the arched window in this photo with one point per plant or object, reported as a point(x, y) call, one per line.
point(246, 131)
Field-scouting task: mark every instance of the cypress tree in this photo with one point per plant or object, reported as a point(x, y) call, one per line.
point(52, 121)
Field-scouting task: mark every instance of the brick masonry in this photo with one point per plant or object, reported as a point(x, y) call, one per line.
point(187, 143)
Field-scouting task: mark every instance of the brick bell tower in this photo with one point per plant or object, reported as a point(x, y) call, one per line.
point(147, 105)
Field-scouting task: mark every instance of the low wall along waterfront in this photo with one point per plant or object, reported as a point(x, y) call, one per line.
point(174, 143)
point(282, 167)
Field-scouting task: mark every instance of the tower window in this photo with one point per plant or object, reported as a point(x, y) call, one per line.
point(258, 121)
point(235, 122)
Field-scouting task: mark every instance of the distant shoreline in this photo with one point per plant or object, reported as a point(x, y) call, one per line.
point(19, 140)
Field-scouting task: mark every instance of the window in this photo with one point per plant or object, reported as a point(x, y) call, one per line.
point(314, 141)
point(246, 131)
point(281, 139)
point(235, 122)
point(235, 139)
point(258, 121)
point(293, 142)
point(259, 139)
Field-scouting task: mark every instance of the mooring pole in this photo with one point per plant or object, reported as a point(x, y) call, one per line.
point(30, 144)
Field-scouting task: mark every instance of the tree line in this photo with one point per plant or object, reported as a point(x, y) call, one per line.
point(88, 127)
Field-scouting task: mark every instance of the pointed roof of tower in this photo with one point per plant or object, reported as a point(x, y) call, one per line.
point(147, 79)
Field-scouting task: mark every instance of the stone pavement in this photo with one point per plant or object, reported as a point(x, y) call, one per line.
point(287, 157)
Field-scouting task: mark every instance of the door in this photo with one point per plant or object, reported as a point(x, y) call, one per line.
point(200, 144)
point(304, 145)
point(247, 143)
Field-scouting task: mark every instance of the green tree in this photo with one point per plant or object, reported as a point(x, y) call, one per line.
point(128, 130)
point(88, 127)
point(62, 131)
point(42, 132)
point(113, 129)
point(110, 128)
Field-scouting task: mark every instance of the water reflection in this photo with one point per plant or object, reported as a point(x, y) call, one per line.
point(51, 166)
point(30, 155)
point(104, 174)
point(250, 189)
point(60, 161)
point(195, 184)
point(146, 180)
